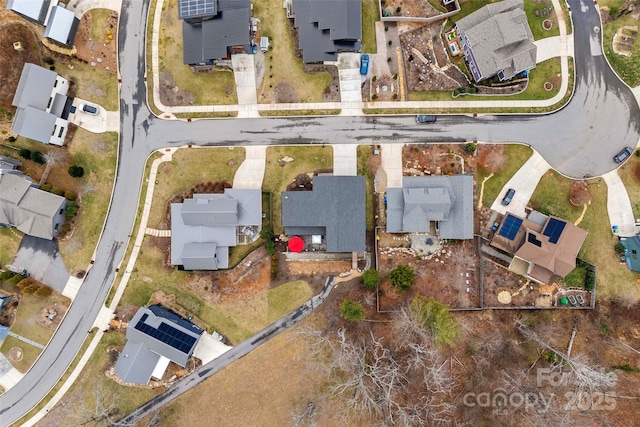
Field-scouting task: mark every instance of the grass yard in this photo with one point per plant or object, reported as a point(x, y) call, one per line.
point(215, 88)
point(276, 177)
point(613, 280)
point(630, 175)
point(627, 67)
point(515, 156)
point(364, 152)
point(281, 63)
point(370, 14)
point(191, 166)
point(29, 353)
point(78, 406)
point(286, 298)
point(98, 19)
point(271, 386)
point(100, 87)
point(97, 154)
point(9, 241)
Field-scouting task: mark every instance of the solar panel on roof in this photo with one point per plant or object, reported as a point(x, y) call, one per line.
point(190, 8)
point(554, 229)
point(531, 238)
point(510, 227)
point(168, 335)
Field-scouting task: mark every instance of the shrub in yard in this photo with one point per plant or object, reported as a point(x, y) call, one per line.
point(370, 279)
point(48, 60)
point(30, 288)
point(11, 139)
point(72, 210)
point(402, 277)
point(387, 11)
point(590, 280)
point(434, 315)
point(374, 96)
point(374, 78)
point(38, 157)
point(619, 248)
point(266, 233)
point(25, 153)
point(57, 191)
point(24, 282)
point(70, 195)
point(46, 187)
point(6, 275)
point(271, 247)
point(43, 291)
point(15, 279)
point(398, 9)
point(351, 310)
point(390, 42)
point(470, 147)
point(76, 171)
point(637, 153)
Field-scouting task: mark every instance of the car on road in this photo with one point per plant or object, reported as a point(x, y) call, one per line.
point(364, 64)
point(508, 197)
point(89, 109)
point(425, 118)
point(623, 155)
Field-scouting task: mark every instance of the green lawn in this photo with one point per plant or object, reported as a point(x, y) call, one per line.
point(370, 14)
point(575, 279)
point(613, 278)
point(215, 88)
point(96, 153)
point(630, 175)
point(281, 63)
point(98, 23)
point(188, 167)
point(276, 177)
point(286, 298)
point(96, 85)
point(9, 242)
point(29, 353)
point(627, 67)
point(364, 152)
point(515, 156)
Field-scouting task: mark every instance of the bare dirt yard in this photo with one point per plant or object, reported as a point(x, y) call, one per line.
point(13, 60)
point(429, 159)
point(93, 42)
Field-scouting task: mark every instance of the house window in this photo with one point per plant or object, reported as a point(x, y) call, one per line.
point(54, 130)
point(49, 103)
point(61, 130)
point(55, 83)
point(56, 226)
point(634, 254)
point(61, 211)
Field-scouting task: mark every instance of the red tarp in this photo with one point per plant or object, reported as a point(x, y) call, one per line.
point(296, 244)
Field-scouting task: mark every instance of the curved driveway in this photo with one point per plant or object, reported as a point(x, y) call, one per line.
point(579, 140)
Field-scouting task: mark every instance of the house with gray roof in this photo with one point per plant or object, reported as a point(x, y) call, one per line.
point(205, 227)
point(327, 27)
point(42, 105)
point(334, 209)
point(496, 40)
point(214, 29)
point(29, 209)
point(9, 163)
point(446, 201)
point(62, 26)
point(155, 337)
point(33, 10)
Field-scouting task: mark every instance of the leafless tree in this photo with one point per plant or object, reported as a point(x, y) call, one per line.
point(55, 157)
point(101, 409)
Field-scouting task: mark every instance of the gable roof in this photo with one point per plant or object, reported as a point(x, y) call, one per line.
point(34, 88)
point(34, 124)
point(500, 38)
point(203, 228)
point(551, 249)
point(335, 208)
point(9, 163)
point(448, 200)
point(326, 27)
point(29, 209)
point(155, 332)
point(32, 9)
point(631, 252)
point(211, 39)
point(62, 26)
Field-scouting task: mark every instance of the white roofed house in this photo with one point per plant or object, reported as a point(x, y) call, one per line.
point(42, 105)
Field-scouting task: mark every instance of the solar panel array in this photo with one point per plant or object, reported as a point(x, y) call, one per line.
point(197, 8)
point(168, 335)
point(531, 238)
point(554, 229)
point(510, 227)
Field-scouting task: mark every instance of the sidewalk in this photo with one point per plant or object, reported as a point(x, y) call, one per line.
point(524, 182)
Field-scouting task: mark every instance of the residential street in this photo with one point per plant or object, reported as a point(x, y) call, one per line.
point(580, 140)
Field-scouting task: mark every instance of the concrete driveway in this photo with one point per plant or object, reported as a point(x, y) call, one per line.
point(345, 159)
point(251, 172)
point(42, 260)
point(349, 74)
point(244, 72)
point(209, 348)
point(619, 205)
point(9, 376)
point(93, 123)
point(392, 164)
point(524, 182)
point(82, 6)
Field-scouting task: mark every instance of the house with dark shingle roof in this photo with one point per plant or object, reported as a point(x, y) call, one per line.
point(446, 201)
point(203, 228)
point(334, 209)
point(155, 337)
point(29, 209)
point(42, 105)
point(548, 245)
point(214, 29)
point(496, 40)
point(327, 27)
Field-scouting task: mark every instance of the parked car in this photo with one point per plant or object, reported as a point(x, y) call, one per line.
point(89, 109)
point(508, 197)
point(364, 64)
point(572, 300)
point(623, 155)
point(580, 299)
point(425, 118)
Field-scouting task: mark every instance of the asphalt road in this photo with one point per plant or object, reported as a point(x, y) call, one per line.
point(579, 141)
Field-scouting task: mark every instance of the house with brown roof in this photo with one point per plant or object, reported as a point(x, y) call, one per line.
point(546, 246)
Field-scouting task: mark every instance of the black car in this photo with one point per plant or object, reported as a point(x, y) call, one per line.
point(425, 118)
point(90, 109)
point(623, 155)
point(508, 197)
